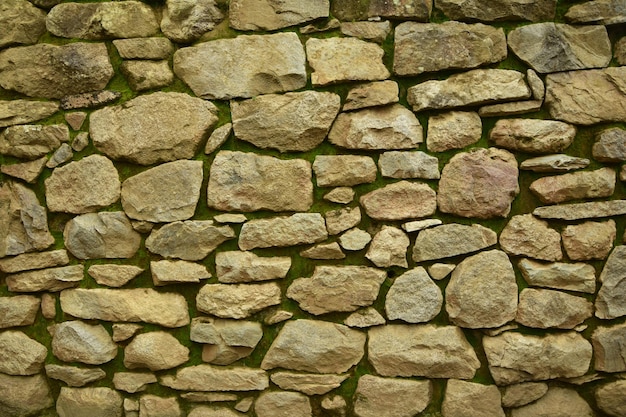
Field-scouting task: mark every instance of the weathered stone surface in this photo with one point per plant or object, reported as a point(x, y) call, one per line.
point(451, 240)
point(372, 94)
point(344, 170)
point(604, 12)
point(327, 25)
point(619, 51)
point(24, 395)
point(396, 164)
point(589, 240)
point(132, 305)
point(146, 75)
point(575, 185)
point(526, 235)
point(123, 132)
point(421, 350)
point(21, 23)
point(401, 9)
point(51, 279)
point(19, 354)
point(481, 86)
point(388, 248)
point(482, 292)
point(297, 229)
point(237, 301)
point(282, 404)
point(81, 141)
point(337, 288)
point(365, 317)
point(572, 277)
point(340, 195)
point(413, 297)
point(89, 100)
point(190, 240)
point(113, 275)
point(247, 182)
point(207, 411)
point(480, 183)
point(48, 306)
point(552, 309)
point(144, 48)
point(19, 310)
point(155, 351)
point(324, 251)
point(610, 146)
point(236, 267)
point(533, 135)
point(94, 402)
point(610, 398)
point(15, 112)
point(287, 122)
point(52, 71)
point(355, 239)
point(124, 331)
point(269, 15)
point(498, 10)
point(515, 357)
point(338, 221)
point(277, 317)
point(167, 272)
point(510, 109)
point(73, 376)
point(587, 97)
point(218, 137)
point(185, 21)
point(387, 397)
point(609, 344)
point(245, 66)
point(60, 156)
point(554, 163)
point(453, 130)
point(77, 341)
point(153, 405)
point(315, 346)
point(400, 200)
point(225, 341)
point(417, 225)
point(310, 384)
point(464, 398)
point(165, 193)
point(558, 402)
point(440, 270)
point(216, 378)
point(39, 260)
point(101, 235)
point(369, 31)
point(521, 394)
point(388, 127)
point(417, 47)
point(554, 47)
point(133, 382)
point(32, 141)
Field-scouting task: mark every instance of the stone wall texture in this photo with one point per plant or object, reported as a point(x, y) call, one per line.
point(299, 208)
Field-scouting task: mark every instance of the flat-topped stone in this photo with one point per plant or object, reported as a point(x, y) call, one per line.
point(575, 185)
point(498, 10)
point(525, 235)
point(49, 279)
point(298, 229)
point(144, 48)
point(216, 378)
point(21, 23)
point(18, 310)
point(603, 12)
point(450, 240)
point(184, 21)
point(552, 309)
point(562, 276)
point(269, 15)
point(237, 267)
point(344, 170)
point(32, 141)
point(533, 135)
point(191, 240)
point(237, 301)
point(399, 201)
point(554, 163)
point(578, 211)
point(16, 112)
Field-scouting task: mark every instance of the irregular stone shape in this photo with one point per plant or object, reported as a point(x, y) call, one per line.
point(19, 354)
point(225, 341)
point(421, 350)
point(481, 183)
point(609, 344)
point(17, 112)
point(176, 272)
point(19, 310)
point(153, 405)
point(337, 288)
point(365, 317)
point(610, 146)
point(572, 277)
point(369, 31)
point(73, 376)
point(133, 382)
point(417, 47)
point(344, 170)
point(113, 275)
point(309, 384)
point(237, 301)
point(156, 351)
point(372, 94)
point(589, 240)
point(144, 48)
point(32, 141)
point(470, 398)
point(399, 201)
point(51, 279)
point(123, 132)
point(147, 75)
point(89, 100)
point(101, 235)
point(315, 346)
point(451, 240)
point(245, 66)
point(341, 220)
point(481, 86)
point(587, 97)
point(554, 163)
point(558, 402)
point(580, 211)
point(21, 23)
point(413, 297)
point(575, 185)
point(533, 135)
point(60, 156)
point(340, 195)
point(191, 240)
point(39, 260)
point(27, 171)
point(269, 15)
point(498, 10)
point(297, 229)
point(388, 127)
point(218, 138)
point(329, 24)
point(287, 122)
point(241, 181)
point(185, 21)
point(526, 235)
point(165, 193)
point(482, 292)
point(216, 378)
point(453, 130)
point(545, 309)
point(610, 398)
point(51, 71)
point(395, 164)
point(132, 305)
point(282, 404)
point(619, 51)
point(355, 239)
point(521, 394)
point(24, 395)
point(124, 331)
point(401, 9)
point(94, 402)
point(324, 251)
point(553, 47)
point(510, 109)
point(515, 357)
point(376, 397)
point(604, 12)
point(388, 248)
point(77, 341)
point(439, 270)
point(236, 267)
point(335, 60)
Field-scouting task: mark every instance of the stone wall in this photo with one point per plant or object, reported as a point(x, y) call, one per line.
point(377, 208)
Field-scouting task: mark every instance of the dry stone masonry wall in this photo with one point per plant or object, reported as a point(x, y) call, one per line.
point(299, 208)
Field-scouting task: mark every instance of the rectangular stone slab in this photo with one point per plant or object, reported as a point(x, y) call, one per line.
point(595, 209)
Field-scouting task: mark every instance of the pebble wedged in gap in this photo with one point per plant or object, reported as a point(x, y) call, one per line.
point(144, 48)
